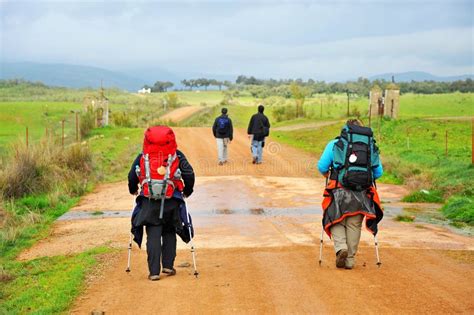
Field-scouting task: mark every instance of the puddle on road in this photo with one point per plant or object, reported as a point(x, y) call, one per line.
point(422, 213)
point(223, 211)
point(81, 215)
point(391, 211)
point(257, 211)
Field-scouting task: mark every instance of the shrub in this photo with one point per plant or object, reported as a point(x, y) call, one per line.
point(460, 209)
point(87, 122)
point(39, 168)
point(434, 196)
point(122, 119)
point(172, 100)
point(282, 113)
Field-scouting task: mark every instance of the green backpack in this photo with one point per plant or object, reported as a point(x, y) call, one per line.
point(355, 155)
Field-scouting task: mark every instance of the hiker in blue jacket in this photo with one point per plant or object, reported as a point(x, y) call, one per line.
point(224, 133)
point(351, 163)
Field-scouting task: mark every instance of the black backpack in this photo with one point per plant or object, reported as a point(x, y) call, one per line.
point(355, 154)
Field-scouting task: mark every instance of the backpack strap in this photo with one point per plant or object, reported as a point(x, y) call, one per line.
point(147, 174)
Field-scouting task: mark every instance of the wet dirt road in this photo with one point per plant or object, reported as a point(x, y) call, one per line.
point(257, 247)
point(181, 113)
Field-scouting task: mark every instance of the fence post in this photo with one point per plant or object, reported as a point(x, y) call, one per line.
point(62, 133)
point(321, 105)
point(26, 136)
point(472, 141)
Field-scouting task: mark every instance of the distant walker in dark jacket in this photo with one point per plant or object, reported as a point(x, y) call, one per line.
point(224, 133)
point(259, 128)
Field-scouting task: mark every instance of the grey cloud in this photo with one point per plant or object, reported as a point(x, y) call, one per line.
point(268, 38)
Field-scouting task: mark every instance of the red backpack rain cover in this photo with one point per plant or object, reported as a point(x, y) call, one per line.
point(160, 142)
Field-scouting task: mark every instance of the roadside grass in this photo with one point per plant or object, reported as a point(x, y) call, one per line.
point(460, 209)
point(46, 285)
point(38, 184)
point(114, 150)
point(24, 225)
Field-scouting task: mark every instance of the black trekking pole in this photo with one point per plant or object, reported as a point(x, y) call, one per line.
point(130, 242)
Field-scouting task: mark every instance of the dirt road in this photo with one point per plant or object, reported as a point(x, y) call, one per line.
point(181, 113)
point(257, 247)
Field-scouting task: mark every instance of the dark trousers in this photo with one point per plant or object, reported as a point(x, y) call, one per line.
point(159, 251)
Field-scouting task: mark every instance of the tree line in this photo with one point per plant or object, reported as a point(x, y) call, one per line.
point(361, 86)
point(282, 87)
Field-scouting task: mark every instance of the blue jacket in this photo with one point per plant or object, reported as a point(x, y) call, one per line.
point(326, 160)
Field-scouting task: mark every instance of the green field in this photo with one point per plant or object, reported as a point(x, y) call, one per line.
point(15, 117)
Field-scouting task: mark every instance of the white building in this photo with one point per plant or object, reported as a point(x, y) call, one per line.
point(144, 91)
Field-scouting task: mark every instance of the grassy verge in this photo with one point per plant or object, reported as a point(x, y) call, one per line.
point(114, 149)
point(38, 184)
point(46, 285)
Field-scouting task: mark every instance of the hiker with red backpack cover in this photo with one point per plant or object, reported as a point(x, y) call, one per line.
point(224, 133)
point(165, 178)
point(351, 163)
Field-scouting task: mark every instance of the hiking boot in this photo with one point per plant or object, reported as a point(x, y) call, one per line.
point(154, 277)
point(169, 272)
point(341, 258)
point(349, 263)
point(221, 163)
point(254, 160)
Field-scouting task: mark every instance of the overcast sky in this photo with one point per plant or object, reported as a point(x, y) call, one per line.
point(318, 39)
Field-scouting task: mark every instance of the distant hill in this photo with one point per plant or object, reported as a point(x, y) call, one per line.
point(70, 75)
point(418, 76)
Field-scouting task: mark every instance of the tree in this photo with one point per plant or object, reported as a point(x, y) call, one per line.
point(203, 82)
point(227, 84)
point(192, 83)
point(161, 86)
point(185, 83)
point(299, 94)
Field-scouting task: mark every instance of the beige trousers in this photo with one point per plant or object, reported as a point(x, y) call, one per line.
point(346, 235)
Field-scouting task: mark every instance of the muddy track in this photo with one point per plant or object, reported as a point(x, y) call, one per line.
point(181, 113)
point(257, 247)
